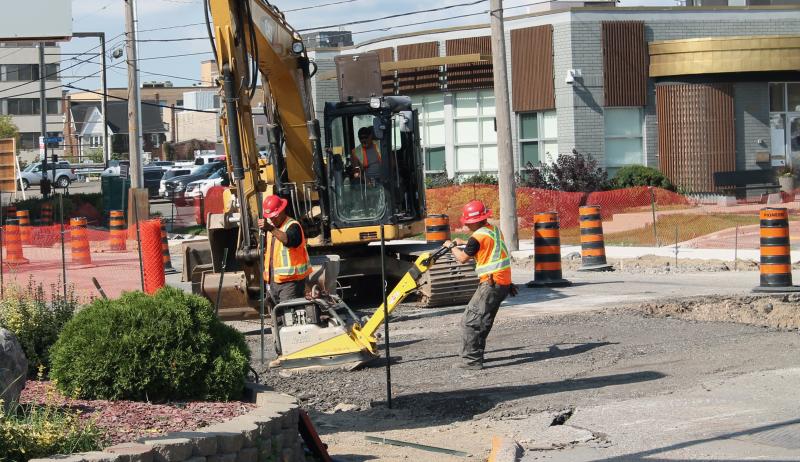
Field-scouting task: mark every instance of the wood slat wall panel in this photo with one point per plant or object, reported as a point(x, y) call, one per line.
point(695, 133)
point(387, 78)
point(625, 63)
point(532, 82)
point(422, 78)
point(469, 76)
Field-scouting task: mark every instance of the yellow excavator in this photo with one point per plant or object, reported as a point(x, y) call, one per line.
point(342, 203)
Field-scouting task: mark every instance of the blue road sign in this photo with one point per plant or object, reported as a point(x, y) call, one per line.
point(53, 139)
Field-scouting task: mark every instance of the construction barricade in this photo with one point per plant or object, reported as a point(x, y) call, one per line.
point(152, 259)
point(165, 257)
point(24, 221)
point(547, 252)
point(79, 242)
point(593, 249)
point(437, 228)
point(13, 243)
point(776, 263)
point(46, 214)
point(117, 235)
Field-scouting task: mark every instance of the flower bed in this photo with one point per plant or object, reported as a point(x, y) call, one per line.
point(124, 421)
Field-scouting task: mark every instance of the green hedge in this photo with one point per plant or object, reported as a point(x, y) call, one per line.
point(639, 175)
point(72, 204)
point(168, 346)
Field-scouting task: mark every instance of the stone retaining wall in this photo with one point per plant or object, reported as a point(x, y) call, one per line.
point(268, 433)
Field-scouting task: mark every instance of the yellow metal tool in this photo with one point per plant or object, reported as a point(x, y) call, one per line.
point(355, 344)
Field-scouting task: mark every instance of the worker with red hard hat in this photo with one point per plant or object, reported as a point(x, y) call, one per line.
point(286, 262)
point(493, 265)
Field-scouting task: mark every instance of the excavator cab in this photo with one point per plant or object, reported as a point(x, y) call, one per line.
point(374, 168)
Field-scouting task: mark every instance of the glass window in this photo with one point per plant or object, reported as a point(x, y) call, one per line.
point(54, 106)
point(776, 97)
point(793, 96)
point(431, 130)
point(538, 138)
point(52, 71)
point(623, 136)
point(777, 130)
point(475, 134)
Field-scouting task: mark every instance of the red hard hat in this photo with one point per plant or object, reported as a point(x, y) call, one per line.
point(273, 205)
point(474, 212)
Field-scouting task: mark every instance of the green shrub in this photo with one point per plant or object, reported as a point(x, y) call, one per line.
point(36, 318)
point(36, 431)
point(639, 175)
point(168, 346)
point(72, 204)
point(481, 178)
point(438, 180)
point(573, 172)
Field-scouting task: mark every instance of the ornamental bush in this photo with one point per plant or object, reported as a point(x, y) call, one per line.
point(165, 347)
point(639, 175)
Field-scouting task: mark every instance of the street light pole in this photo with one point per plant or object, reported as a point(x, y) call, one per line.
point(505, 156)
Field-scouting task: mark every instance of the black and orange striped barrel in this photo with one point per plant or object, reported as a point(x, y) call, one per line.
point(547, 248)
point(46, 214)
point(24, 220)
point(437, 228)
point(776, 263)
point(117, 235)
point(13, 243)
point(79, 241)
point(593, 249)
point(11, 212)
point(165, 257)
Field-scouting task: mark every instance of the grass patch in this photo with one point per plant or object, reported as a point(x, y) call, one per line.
point(194, 230)
point(689, 226)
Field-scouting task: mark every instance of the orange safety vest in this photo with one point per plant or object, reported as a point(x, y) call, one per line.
point(493, 258)
point(288, 264)
point(364, 158)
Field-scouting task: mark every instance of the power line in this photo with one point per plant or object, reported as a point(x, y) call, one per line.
point(176, 56)
point(48, 89)
point(173, 27)
point(318, 6)
point(173, 39)
point(115, 67)
point(392, 16)
point(144, 103)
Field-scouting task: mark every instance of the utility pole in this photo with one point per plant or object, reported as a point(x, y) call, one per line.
point(134, 103)
point(44, 186)
point(505, 155)
point(104, 83)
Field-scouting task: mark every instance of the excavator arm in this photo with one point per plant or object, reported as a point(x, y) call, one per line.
point(251, 38)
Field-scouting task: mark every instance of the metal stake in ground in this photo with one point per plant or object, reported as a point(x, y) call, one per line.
point(653, 206)
point(736, 250)
point(386, 323)
point(138, 239)
point(221, 278)
point(2, 284)
point(261, 308)
point(63, 251)
point(676, 246)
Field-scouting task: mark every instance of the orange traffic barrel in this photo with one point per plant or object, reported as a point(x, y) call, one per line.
point(79, 239)
point(165, 258)
point(118, 234)
point(199, 211)
point(776, 262)
point(11, 212)
point(547, 248)
point(46, 214)
point(593, 248)
point(24, 220)
point(13, 243)
point(437, 228)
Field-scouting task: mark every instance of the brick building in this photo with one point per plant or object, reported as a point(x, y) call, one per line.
point(689, 90)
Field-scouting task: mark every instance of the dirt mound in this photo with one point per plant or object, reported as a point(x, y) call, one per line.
point(651, 264)
point(776, 311)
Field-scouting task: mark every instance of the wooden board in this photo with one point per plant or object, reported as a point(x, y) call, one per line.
point(8, 165)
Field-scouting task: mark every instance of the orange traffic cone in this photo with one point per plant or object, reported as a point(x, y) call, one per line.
point(80, 242)
point(24, 219)
point(13, 243)
point(118, 234)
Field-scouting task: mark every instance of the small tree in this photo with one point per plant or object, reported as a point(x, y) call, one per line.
point(7, 128)
point(95, 155)
point(570, 172)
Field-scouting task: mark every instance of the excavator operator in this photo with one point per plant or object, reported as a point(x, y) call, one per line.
point(286, 262)
point(366, 158)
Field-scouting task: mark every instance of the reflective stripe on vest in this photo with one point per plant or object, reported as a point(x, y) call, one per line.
point(284, 267)
point(365, 158)
point(499, 258)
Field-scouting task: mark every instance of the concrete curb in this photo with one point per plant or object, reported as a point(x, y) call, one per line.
point(267, 433)
point(505, 450)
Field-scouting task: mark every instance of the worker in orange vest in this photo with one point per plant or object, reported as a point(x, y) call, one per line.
point(286, 263)
point(493, 265)
point(366, 157)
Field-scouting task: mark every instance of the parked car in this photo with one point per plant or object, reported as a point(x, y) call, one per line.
point(199, 189)
point(152, 179)
point(164, 164)
point(175, 188)
point(168, 175)
point(61, 174)
point(208, 158)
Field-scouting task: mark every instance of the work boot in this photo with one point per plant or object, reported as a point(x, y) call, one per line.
point(469, 366)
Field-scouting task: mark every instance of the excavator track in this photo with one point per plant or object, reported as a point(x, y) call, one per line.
point(447, 283)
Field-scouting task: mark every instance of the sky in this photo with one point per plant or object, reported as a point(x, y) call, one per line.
point(179, 61)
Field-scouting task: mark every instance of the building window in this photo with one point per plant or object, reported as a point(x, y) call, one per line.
point(784, 123)
point(260, 130)
point(475, 136)
point(431, 130)
point(29, 140)
point(623, 135)
point(28, 106)
point(538, 138)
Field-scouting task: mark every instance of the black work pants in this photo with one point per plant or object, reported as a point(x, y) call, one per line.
point(282, 292)
point(479, 318)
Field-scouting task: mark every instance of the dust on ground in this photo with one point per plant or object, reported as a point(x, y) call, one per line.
point(650, 264)
point(775, 311)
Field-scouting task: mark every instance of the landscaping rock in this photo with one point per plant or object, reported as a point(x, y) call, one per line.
point(14, 369)
point(169, 449)
point(248, 455)
point(132, 452)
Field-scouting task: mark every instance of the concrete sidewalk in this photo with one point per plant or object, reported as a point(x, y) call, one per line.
point(527, 250)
